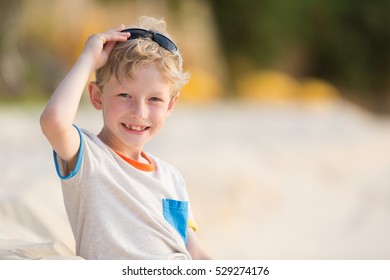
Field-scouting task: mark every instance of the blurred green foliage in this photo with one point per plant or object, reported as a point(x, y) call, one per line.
point(346, 42)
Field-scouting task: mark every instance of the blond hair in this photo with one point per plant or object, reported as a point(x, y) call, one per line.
point(127, 56)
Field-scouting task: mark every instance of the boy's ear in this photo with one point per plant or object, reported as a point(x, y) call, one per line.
point(95, 95)
point(172, 103)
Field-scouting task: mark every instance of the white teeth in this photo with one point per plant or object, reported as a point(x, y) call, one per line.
point(137, 128)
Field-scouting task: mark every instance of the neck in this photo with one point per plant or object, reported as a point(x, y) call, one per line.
point(134, 154)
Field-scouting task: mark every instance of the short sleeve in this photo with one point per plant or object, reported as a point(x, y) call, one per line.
point(60, 164)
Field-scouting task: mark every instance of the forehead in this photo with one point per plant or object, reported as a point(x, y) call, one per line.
point(143, 76)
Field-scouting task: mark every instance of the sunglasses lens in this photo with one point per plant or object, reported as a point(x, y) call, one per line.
point(165, 42)
point(135, 33)
point(157, 37)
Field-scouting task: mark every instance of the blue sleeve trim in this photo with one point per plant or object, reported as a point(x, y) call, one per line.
point(176, 214)
point(78, 162)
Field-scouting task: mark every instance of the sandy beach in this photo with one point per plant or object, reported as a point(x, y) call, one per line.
point(267, 181)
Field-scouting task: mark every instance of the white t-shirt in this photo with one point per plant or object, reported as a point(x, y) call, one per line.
point(119, 210)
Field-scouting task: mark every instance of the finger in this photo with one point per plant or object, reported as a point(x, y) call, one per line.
point(114, 36)
point(109, 46)
point(120, 27)
point(117, 37)
point(118, 30)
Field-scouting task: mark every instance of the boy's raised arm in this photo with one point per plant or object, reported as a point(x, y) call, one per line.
point(60, 112)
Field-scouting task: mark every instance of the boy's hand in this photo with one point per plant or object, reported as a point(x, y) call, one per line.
point(99, 46)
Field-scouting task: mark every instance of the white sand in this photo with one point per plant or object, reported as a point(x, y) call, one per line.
point(267, 181)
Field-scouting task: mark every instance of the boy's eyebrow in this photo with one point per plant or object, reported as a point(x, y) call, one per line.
point(124, 89)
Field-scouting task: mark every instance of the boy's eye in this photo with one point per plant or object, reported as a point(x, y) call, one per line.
point(155, 99)
point(125, 95)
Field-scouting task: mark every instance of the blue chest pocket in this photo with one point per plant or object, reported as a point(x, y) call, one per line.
point(176, 214)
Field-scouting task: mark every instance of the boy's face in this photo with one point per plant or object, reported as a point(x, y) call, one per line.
point(134, 109)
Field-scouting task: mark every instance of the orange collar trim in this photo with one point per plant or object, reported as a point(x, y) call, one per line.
point(148, 167)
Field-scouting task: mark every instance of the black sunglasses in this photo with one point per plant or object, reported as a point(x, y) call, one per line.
point(160, 39)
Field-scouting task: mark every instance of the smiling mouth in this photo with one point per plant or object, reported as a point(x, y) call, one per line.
point(135, 127)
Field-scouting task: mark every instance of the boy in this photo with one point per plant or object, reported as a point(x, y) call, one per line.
point(121, 202)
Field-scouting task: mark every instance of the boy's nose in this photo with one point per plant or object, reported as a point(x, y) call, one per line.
point(139, 111)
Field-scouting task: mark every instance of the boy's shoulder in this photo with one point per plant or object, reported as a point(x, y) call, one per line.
point(160, 162)
point(87, 133)
point(90, 138)
point(164, 166)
